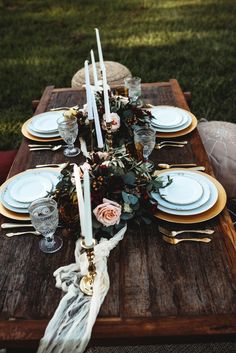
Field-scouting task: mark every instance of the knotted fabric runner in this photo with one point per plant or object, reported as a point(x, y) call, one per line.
point(70, 328)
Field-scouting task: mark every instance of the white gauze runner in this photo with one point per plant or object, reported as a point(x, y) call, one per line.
point(70, 328)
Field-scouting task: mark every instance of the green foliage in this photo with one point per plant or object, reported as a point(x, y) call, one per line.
point(45, 42)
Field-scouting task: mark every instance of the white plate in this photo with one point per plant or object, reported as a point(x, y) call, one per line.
point(182, 191)
point(206, 206)
point(166, 117)
point(200, 202)
point(42, 135)
point(50, 173)
point(46, 122)
point(187, 120)
point(14, 205)
point(28, 188)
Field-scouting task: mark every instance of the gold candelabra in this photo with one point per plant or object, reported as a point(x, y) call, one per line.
point(109, 137)
point(87, 281)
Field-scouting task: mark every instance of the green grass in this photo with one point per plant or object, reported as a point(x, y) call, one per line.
point(46, 42)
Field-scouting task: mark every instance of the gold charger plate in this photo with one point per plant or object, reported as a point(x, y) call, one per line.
point(11, 214)
point(183, 132)
point(36, 138)
point(201, 217)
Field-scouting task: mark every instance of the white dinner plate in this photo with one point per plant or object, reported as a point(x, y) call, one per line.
point(14, 205)
point(206, 206)
point(191, 206)
point(166, 117)
point(20, 207)
point(28, 188)
point(182, 191)
point(165, 109)
point(46, 122)
point(186, 122)
point(40, 134)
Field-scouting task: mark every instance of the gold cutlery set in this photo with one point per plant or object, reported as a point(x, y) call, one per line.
point(45, 147)
point(170, 236)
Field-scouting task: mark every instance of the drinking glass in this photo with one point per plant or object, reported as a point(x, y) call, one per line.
point(133, 85)
point(144, 140)
point(68, 129)
point(44, 217)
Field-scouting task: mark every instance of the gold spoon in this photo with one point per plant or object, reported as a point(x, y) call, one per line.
point(54, 148)
point(176, 241)
point(22, 233)
point(167, 166)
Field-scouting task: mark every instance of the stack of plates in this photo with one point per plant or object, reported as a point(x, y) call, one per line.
point(191, 197)
point(172, 121)
point(18, 192)
point(43, 127)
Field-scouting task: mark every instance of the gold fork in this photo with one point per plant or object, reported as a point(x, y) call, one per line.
point(158, 146)
point(176, 241)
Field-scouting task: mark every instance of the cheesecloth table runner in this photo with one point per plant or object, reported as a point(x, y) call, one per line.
point(70, 328)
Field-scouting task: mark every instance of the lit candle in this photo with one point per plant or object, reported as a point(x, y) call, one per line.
point(97, 122)
point(88, 235)
point(79, 197)
point(88, 94)
point(95, 76)
point(100, 55)
point(106, 98)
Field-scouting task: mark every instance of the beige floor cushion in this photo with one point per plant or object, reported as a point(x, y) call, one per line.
point(116, 73)
point(219, 139)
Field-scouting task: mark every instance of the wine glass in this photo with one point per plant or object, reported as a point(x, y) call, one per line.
point(133, 85)
point(144, 140)
point(44, 217)
point(68, 129)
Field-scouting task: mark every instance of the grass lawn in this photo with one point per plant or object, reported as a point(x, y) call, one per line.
point(45, 42)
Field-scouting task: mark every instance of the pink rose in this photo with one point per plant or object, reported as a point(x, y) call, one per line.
point(108, 213)
point(115, 120)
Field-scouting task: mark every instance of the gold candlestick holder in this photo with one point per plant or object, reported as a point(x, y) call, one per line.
point(109, 141)
point(87, 281)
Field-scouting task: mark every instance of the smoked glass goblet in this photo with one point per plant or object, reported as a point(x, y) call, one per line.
point(44, 217)
point(68, 129)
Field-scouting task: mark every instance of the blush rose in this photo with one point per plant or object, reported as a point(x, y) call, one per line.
point(108, 213)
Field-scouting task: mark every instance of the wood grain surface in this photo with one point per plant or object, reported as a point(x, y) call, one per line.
point(157, 290)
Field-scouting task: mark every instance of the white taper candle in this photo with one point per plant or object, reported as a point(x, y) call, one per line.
point(88, 94)
point(79, 197)
point(95, 75)
point(100, 54)
point(106, 98)
point(97, 122)
point(88, 233)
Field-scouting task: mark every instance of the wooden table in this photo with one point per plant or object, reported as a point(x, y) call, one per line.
point(158, 292)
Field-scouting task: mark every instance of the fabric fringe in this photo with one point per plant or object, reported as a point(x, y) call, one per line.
point(70, 328)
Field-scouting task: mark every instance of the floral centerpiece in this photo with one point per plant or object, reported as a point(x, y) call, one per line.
point(121, 185)
point(120, 191)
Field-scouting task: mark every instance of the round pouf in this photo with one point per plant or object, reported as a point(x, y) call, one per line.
point(116, 73)
point(219, 139)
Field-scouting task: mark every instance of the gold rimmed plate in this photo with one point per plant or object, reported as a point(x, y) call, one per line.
point(183, 131)
point(26, 133)
point(7, 212)
point(204, 216)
